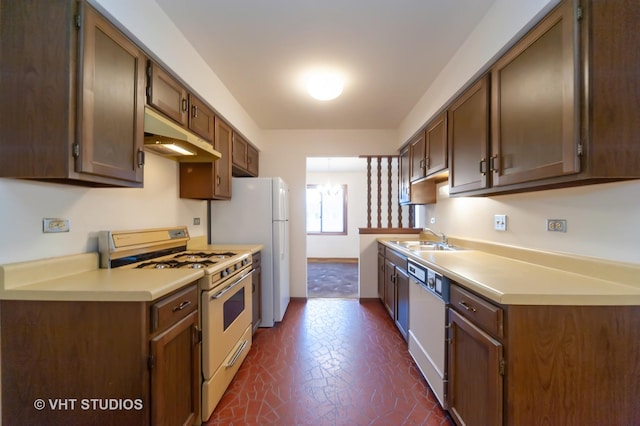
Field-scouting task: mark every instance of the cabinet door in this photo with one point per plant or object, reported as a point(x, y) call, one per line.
point(111, 92)
point(167, 95)
point(436, 140)
point(381, 277)
point(404, 192)
point(222, 167)
point(239, 152)
point(253, 160)
point(402, 302)
point(533, 87)
point(201, 118)
point(475, 387)
point(175, 374)
point(468, 133)
point(417, 153)
point(390, 288)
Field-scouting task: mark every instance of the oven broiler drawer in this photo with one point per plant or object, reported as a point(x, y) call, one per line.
point(173, 308)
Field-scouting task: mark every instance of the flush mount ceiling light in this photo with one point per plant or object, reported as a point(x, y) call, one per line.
point(324, 85)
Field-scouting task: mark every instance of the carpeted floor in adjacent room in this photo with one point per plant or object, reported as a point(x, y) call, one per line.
point(332, 279)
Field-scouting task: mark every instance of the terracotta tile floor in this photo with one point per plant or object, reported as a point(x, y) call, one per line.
point(330, 362)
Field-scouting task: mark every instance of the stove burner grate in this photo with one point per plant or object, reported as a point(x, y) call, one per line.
point(164, 264)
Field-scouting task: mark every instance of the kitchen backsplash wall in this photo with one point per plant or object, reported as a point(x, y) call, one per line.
point(23, 205)
point(602, 220)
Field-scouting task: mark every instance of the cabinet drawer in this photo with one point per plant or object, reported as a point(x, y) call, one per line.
point(173, 308)
point(484, 314)
point(397, 259)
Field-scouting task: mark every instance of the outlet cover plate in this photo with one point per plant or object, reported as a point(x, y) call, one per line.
point(52, 225)
point(557, 225)
point(500, 222)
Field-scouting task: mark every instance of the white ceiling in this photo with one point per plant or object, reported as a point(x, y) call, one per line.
point(390, 51)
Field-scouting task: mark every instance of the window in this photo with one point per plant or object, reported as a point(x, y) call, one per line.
point(327, 209)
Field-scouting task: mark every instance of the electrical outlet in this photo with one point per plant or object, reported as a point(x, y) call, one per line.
point(50, 225)
point(557, 225)
point(196, 221)
point(500, 222)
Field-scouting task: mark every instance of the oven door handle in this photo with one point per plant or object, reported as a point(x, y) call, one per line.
point(222, 292)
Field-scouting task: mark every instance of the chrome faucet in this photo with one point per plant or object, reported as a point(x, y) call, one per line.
point(443, 238)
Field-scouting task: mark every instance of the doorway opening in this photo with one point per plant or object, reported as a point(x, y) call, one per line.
point(336, 194)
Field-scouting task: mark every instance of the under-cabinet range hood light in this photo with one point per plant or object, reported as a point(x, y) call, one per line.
point(166, 138)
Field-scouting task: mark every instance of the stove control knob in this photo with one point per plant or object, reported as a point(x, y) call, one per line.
point(224, 273)
point(229, 270)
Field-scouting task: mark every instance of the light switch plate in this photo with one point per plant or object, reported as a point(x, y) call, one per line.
point(500, 222)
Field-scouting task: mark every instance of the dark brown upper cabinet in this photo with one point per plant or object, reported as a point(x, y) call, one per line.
point(168, 96)
point(563, 106)
point(404, 193)
point(417, 152)
point(534, 125)
point(245, 157)
point(468, 134)
point(210, 180)
point(76, 86)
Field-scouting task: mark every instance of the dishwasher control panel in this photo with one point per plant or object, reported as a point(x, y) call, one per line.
point(429, 279)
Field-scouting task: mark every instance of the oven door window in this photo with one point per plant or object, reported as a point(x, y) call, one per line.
point(233, 307)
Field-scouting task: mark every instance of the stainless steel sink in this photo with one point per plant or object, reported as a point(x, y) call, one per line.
point(425, 245)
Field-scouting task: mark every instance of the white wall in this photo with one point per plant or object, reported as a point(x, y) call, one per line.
point(503, 23)
point(341, 246)
point(23, 205)
point(602, 220)
point(147, 23)
point(285, 153)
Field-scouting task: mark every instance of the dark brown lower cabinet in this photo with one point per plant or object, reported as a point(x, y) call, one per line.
point(393, 287)
point(475, 383)
point(175, 359)
point(101, 363)
point(542, 364)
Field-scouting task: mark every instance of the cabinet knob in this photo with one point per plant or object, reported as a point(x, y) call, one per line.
point(195, 111)
point(185, 104)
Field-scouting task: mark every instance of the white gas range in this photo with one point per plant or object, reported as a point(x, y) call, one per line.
point(225, 303)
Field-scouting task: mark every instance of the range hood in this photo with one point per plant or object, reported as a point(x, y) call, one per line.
point(164, 137)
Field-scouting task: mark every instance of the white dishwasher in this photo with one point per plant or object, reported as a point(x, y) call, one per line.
point(428, 298)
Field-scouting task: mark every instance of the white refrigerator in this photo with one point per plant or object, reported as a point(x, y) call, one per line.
point(258, 213)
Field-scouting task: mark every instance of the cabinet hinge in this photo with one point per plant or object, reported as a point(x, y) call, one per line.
point(151, 362)
point(75, 150)
point(578, 13)
point(580, 150)
point(78, 21)
point(502, 365)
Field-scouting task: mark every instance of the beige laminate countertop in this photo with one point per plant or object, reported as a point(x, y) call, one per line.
point(514, 281)
point(79, 278)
